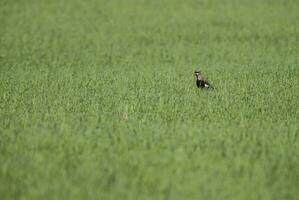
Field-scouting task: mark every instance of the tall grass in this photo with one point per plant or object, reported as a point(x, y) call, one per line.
point(98, 99)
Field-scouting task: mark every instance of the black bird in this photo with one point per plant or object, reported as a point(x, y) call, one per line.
point(201, 82)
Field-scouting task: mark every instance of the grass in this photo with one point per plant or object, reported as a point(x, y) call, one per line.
point(98, 99)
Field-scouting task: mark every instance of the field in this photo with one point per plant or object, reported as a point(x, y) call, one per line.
point(98, 99)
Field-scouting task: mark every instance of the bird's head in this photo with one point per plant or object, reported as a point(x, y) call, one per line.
point(197, 73)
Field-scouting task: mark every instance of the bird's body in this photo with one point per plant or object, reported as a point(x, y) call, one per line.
point(201, 82)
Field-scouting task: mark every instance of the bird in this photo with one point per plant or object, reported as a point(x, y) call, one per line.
point(201, 82)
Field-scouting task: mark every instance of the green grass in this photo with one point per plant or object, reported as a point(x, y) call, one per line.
point(98, 99)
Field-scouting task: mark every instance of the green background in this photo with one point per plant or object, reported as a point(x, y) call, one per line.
point(98, 99)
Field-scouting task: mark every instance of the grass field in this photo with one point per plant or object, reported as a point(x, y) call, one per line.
point(98, 99)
